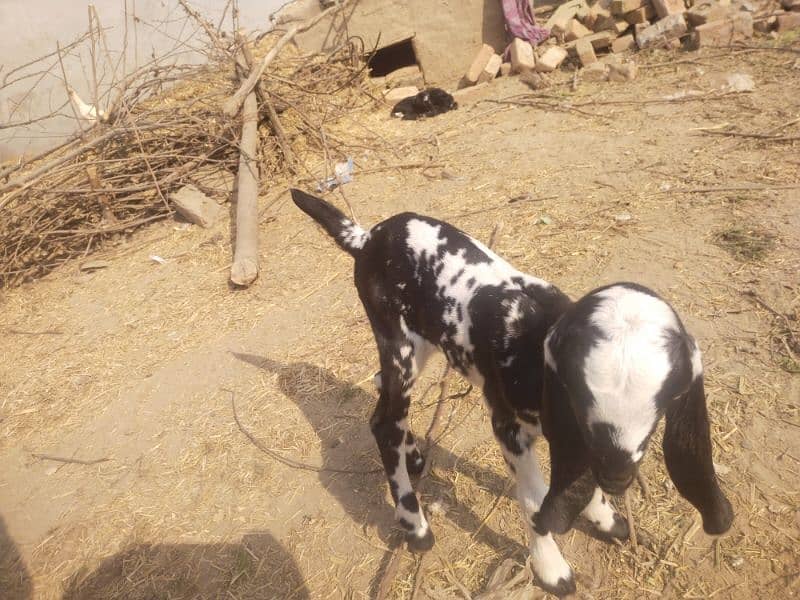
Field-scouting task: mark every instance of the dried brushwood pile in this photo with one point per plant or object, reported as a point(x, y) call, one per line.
point(164, 127)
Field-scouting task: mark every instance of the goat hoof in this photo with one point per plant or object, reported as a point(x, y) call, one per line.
point(420, 545)
point(619, 531)
point(564, 587)
point(415, 463)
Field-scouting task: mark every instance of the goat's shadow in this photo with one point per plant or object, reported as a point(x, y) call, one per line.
point(15, 582)
point(327, 403)
point(257, 567)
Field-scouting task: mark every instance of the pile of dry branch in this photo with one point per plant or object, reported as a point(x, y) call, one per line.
point(167, 125)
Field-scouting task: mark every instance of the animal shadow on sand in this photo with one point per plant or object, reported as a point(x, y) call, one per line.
point(328, 403)
point(258, 567)
point(15, 582)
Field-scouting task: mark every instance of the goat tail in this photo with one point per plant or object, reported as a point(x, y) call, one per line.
point(348, 235)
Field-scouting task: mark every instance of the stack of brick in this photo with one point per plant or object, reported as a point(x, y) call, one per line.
point(588, 29)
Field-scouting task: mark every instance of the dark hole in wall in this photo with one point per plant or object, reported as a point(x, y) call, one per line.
point(391, 58)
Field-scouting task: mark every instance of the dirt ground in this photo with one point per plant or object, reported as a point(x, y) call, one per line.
point(142, 364)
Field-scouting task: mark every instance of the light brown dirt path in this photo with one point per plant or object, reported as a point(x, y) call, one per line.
point(133, 363)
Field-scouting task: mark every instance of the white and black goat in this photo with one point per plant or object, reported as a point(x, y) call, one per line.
point(426, 285)
point(615, 362)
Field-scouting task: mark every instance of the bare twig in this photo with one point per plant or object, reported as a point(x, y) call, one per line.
point(290, 462)
point(732, 188)
point(390, 573)
point(234, 103)
point(61, 459)
point(629, 515)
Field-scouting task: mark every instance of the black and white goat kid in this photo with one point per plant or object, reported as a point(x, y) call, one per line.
point(615, 362)
point(426, 285)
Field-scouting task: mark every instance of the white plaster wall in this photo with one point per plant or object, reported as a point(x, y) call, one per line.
point(31, 28)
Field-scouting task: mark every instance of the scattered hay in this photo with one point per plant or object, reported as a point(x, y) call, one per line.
point(167, 129)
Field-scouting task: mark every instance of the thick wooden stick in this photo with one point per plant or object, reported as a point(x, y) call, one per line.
point(244, 269)
point(231, 106)
point(266, 102)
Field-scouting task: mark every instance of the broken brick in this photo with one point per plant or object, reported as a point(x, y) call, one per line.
point(194, 206)
point(585, 52)
point(559, 20)
point(478, 64)
point(551, 59)
point(522, 56)
point(597, 12)
point(661, 32)
point(623, 44)
point(620, 7)
point(505, 69)
point(620, 26)
point(620, 72)
point(576, 30)
point(641, 14)
point(665, 8)
point(724, 31)
point(595, 72)
point(490, 70)
point(599, 40)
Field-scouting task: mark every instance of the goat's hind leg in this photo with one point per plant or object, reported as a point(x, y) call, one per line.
point(400, 366)
point(415, 462)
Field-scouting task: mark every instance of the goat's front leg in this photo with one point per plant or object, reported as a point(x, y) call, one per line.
point(396, 443)
point(516, 439)
point(608, 522)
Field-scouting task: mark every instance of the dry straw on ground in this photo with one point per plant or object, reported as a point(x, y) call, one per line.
point(163, 128)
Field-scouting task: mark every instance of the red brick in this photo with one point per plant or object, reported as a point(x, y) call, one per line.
point(665, 8)
point(623, 44)
point(479, 63)
point(585, 52)
point(661, 32)
point(725, 31)
point(490, 70)
point(522, 56)
point(788, 21)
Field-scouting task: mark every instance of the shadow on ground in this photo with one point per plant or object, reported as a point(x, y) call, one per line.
point(328, 404)
point(15, 582)
point(258, 567)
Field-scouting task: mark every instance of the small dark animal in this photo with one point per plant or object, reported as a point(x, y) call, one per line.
point(428, 103)
point(425, 285)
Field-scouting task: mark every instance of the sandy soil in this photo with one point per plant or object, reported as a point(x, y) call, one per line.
point(138, 363)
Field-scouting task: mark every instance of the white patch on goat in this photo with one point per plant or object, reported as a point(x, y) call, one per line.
point(600, 513)
point(627, 367)
point(423, 238)
point(546, 560)
point(548, 354)
point(531, 488)
point(697, 360)
point(455, 273)
point(416, 519)
point(353, 235)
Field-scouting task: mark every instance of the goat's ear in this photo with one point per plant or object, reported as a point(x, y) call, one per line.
point(571, 480)
point(687, 452)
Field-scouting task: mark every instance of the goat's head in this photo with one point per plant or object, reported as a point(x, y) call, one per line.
point(617, 362)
